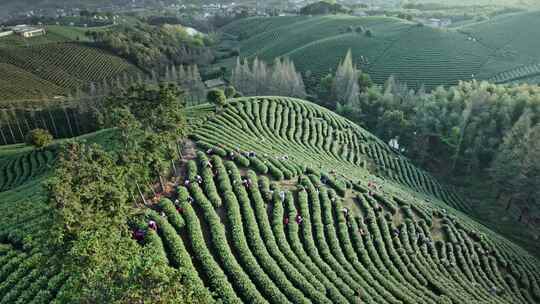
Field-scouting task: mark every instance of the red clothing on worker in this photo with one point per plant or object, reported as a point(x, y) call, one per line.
point(138, 235)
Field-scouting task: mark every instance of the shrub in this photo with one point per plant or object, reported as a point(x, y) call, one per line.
point(230, 92)
point(39, 138)
point(217, 97)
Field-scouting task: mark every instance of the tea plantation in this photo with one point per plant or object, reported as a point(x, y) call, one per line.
point(282, 201)
point(500, 49)
point(55, 64)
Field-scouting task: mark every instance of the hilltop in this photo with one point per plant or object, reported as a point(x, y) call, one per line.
point(252, 170)
point(416, 54)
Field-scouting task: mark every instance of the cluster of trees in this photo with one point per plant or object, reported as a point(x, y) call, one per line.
point(472, 129)
point(153, 46)
point(39, 138)
point(343, 87)
point(75, 115)
point(323, 8)
point(456, 131)
point(61, 119)
point(516, 167)
point(92, 196)
point(257, 78)
point(187, 77)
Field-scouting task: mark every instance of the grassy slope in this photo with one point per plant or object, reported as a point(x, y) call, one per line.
point(513, 39)
point(53, 64)
point(416, 55)
point(336, 259)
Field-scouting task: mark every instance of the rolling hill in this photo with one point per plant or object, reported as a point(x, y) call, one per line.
point(260, 218)
point(55, 64)
point(414, 54)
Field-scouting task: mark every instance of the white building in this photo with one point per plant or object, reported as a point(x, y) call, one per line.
point(6, 33)
point(28, 31)
point(434, 22)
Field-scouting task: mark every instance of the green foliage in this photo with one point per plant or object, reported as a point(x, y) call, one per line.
point(461, 126)
point(107, 266)
point(514, 169)
point(153, 46)
point(323, 8)
point(230, 92)
point(39, 138)
point(79, 209)
point(299, 128)
point(157, 109)
point(217, 97)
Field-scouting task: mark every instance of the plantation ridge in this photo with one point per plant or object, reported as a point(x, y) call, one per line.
point(269, 152)
point(498, 50)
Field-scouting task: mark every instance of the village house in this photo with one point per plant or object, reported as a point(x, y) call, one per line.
point(5, 33)
point(28, 31)
point(434, 22)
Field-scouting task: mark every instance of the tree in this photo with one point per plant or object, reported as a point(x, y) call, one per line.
point(157, 108)
point(326, 92)
point(241, 77)
point(345, 86)
point(364, 82)
point(90, 208)
point(217, 97)
point(78, 209)
point(393, 124)
point(280, 79)
point(509, 169)
point(230, 91)
point(530, 172)
point(39, 138)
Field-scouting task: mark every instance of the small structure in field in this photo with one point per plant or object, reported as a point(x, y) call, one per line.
point(28, 31)
point(215, 83)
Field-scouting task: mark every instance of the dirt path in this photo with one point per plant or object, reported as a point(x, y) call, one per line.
point(189, 152)
point(436, 229)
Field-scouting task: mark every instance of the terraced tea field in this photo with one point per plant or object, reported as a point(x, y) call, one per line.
point(17, 170)
point(260, 218)
point(414, 54)
point(282, 201)
point(64, 65)
point(18, 83)
point(54, 64)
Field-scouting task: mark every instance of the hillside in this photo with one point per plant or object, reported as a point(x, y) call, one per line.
point(26, 274)
point(55, 64)
point(519, 3)
point(405, 238)
point(414, 54)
